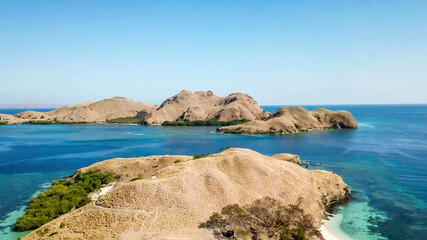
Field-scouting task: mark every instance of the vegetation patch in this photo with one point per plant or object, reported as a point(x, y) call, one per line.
point(43, 232)
point(138, 119)
point(128, 120)
point(42, 122)
point(62, 197)
point(232, 131)
point(197, 156)
point(136, 179)
point(3, 123)
point(271, 131)
point(264, 219)
point(39, 122)
point(210, 122)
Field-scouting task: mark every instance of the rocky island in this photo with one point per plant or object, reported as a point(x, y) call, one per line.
point(237, 193)
point(185, 108)
point(239, 114)
point(295, 119)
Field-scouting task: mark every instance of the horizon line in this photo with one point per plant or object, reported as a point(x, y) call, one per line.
point(22, 106)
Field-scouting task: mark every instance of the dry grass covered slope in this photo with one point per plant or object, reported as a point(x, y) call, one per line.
point(295, 119)
point(10, 119)
point(185, 192)
point(100, 111)
point(185, 105)
point(201, 105)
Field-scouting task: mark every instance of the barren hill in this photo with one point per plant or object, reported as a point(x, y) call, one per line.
point(112, 108)
point(295, 119)
point(177, 193)
point(201, 105)
point(10, 119)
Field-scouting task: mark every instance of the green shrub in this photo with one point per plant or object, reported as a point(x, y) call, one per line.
point(43, 232)
point(63, 196)
point(210, 122)
point(197, 156)
point(136, 179)
point(177, 161)
point(3, 123)
point(299, 234)
point(232, 131)
point(38, 122)
point(128, 120)
point(138, 119)
point(62, 225)
point(55, 121)
point(264, 219)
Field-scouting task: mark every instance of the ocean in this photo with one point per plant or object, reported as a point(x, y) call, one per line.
point(384, 162)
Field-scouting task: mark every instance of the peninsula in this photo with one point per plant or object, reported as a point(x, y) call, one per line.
point(295, 119)
point(88, 112)
point(223, 195)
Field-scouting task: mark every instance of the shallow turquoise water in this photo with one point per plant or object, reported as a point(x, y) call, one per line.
point(384, 162)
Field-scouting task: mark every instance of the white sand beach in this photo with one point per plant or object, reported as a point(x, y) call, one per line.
point(331, 229)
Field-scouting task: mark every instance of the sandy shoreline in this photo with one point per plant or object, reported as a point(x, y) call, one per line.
point(331, 229)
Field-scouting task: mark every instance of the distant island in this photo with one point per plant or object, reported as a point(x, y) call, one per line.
point(236, 113)
point(185, 108)
point(234, 193)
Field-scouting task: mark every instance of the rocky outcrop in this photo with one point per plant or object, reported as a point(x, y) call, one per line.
point(200, 105)
point(101, 111)
point(334, 119)
point(9, 119)
point(177, 193)
point(288, 157)
point(295, 119)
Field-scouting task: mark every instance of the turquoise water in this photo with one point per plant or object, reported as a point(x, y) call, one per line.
point(384, 162)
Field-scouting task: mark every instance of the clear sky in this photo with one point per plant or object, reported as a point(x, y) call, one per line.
point(280, 52)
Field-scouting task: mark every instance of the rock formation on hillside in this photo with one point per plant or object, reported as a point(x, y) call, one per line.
point(10, 119)
point(201, 105)
point(288, 157)
point(101, 111)
point(177, 193)
point(295, 119)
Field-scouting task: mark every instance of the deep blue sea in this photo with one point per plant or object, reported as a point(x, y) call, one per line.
point(384, 161)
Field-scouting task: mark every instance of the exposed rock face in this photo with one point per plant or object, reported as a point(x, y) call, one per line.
point(295, 119)
point(185, 192)
point(116, 107)
point(337, 119)
point(288, 157)
point(200, 105)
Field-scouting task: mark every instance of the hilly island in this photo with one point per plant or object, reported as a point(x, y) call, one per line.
point(237, 193)
point(187, 108)
point(204, 120)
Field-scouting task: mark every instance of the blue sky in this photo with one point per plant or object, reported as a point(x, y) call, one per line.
point(280, 52)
